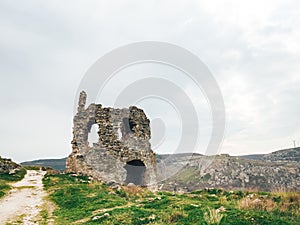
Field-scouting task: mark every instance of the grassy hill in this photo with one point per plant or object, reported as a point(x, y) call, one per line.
point(82, 201)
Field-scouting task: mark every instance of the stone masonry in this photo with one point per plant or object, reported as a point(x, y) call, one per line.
point(123, 152)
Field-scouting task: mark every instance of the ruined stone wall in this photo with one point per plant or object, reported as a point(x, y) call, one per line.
point(124, 136)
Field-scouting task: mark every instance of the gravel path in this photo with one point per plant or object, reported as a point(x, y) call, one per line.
point(24, 201)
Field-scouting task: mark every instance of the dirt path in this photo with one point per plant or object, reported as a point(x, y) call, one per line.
point(24, 201)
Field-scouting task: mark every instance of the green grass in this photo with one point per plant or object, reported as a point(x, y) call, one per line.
point(77, 198)
point(4, 188)
point(32, 167)
point(6, 178)
point(19, 175)
point(81, 201)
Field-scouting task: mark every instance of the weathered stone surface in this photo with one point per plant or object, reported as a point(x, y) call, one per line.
point(8, 166)
point(123, 152)
point(285, 155)
point(230, 172)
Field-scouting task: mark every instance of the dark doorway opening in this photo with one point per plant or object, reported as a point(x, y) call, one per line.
point(135, 172)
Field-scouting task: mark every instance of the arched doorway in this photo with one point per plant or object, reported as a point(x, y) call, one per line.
point(135, 172)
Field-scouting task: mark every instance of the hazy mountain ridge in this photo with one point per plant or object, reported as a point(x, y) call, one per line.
point(284, 155)
point(57, 164)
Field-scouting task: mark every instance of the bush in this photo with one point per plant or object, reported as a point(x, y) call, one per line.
point(213, 216)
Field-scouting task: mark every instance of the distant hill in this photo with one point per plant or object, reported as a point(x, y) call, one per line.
point(254, 156)
point(285, 155)
point(57, 164)
point(277, 170)
point(60, 164)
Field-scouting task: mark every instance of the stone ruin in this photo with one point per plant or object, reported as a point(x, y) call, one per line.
point(123, 152)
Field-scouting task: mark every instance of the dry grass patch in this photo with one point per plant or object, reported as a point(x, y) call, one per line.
point(289, 201)
point(257, 204)
point(135, 191)
point(282, 201)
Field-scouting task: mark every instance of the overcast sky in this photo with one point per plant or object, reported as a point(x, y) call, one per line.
point(251, 47)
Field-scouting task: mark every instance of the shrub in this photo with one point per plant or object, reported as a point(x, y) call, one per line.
point(176, 216)
point(213, 216)
point(121, 193)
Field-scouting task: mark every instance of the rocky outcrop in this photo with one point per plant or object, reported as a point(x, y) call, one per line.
point(285, 155)
point(123, 152)
point(8, 166)
point(230, 172)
